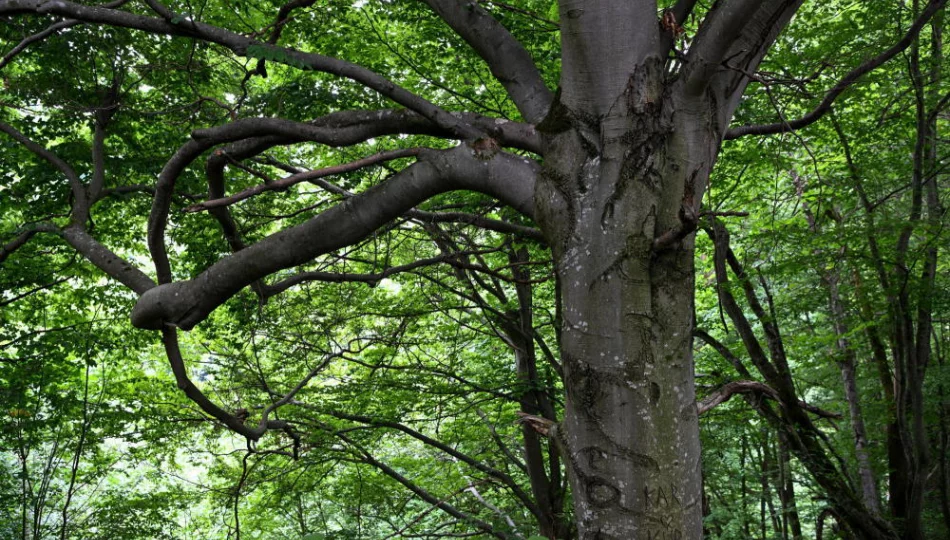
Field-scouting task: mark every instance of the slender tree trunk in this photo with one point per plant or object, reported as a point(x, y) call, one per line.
point(915, 311)
point(743, 485)
point(898, 478)
point(787, 490)
point(896, 459)
point(847, 363)
point(545, 483)
point(943, 439)
point(767, 477)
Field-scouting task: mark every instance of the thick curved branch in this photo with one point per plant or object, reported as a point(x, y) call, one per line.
point(730, 389)
point(424, 216)
point(106, 260)
point(815, 114)
point(724, 23)
point(241, 45)
point(87, 246)
point(185, 304)
point(75, 234)
point(348, 127)
point(339, 129)
point(507, 59)
point(345, 128)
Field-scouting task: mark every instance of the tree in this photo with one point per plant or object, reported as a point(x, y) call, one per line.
point(612, 168)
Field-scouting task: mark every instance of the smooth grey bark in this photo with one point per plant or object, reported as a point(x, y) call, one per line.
point(629, 143)
point(630, 429)
point(847, 365)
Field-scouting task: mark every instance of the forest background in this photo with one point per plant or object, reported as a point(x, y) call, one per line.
point(410, 383)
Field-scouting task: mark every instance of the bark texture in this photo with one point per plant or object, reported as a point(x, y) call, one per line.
point(628, 143)
point(615, 183)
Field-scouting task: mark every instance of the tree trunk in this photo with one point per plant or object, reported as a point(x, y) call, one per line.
point(787, 490)
point(630, 431)
point(767, 475)
point(743, 485)
point(544, 474)
point(847, 364)
point(943, 439)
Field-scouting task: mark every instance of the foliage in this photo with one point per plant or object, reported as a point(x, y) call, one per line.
point(408, 381)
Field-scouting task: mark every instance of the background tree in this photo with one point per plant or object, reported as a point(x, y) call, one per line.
point(550, 228)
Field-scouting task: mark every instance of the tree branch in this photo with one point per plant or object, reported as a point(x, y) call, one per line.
point(241, 45)
point(504, 176)
point(103, 115)
point(49, 31)
point(79, 193)
point(326, 132)
point(368, 458)
point(39, 36)
point(782, 127)
point(424, 216)
point(106, 260)
point(472, 462)
point(720, 238)
point(23, 237)
point(476, 220)
point(232, 421)
point(344, 277)
point(723, 351)
point(730, 389)
point(33, 291)
point(507, 59)
point(96, 253)
point(724, 23)
point(305, 176)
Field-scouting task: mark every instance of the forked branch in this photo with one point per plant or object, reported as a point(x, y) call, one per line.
point(185, 304)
